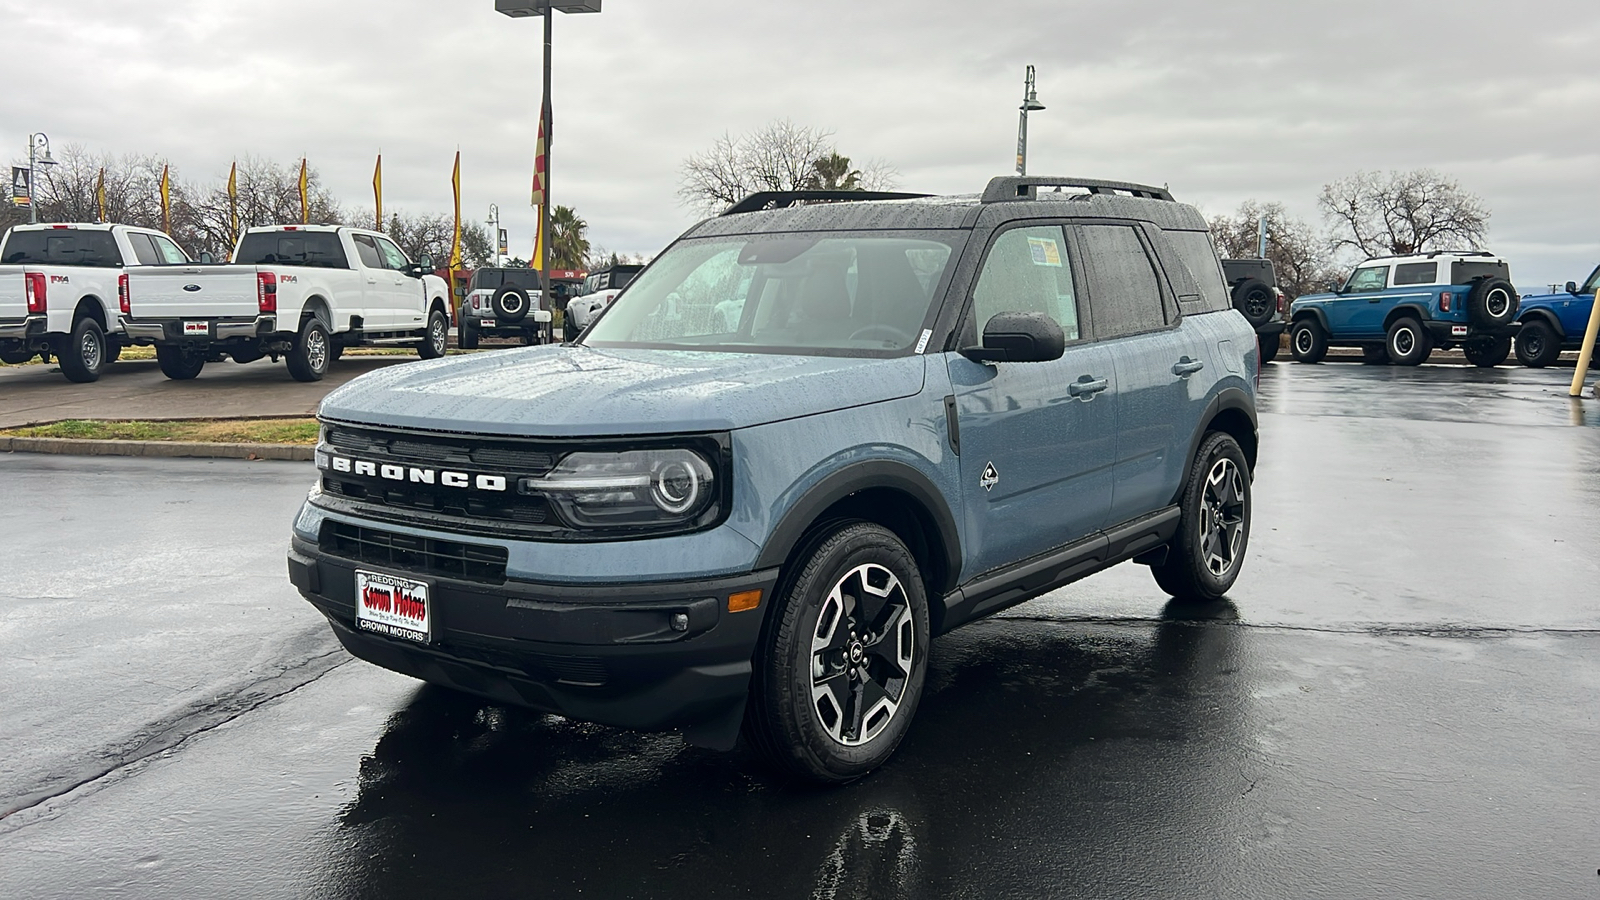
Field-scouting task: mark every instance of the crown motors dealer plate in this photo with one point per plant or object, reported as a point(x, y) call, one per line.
point(391, 605)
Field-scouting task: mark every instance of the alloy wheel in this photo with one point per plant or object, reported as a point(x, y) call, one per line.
point(1222, 517)
point(317, 350)
point(862, 651)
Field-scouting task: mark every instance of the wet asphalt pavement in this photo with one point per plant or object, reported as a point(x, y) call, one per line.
point(1400, 700)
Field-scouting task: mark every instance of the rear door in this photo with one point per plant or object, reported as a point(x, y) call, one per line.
point(1037, 438)
point(380, 292)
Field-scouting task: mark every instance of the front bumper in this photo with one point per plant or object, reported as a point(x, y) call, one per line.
point(24, 329)
point(1446, 332)
point(605, 653)
point(171, 331)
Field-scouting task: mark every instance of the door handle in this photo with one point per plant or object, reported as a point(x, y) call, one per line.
point(1087, 386)
point(1374, 299)
point(1185, 367)
point(372, 281)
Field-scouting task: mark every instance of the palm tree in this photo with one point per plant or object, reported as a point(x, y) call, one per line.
point(568, 247)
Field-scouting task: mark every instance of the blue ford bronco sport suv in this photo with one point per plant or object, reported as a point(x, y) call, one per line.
point(807, 439)
point(1398, 309)
point(1555, 322)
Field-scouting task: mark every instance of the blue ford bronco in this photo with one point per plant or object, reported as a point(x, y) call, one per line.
point(817, 431)
point(1555, 322)
point(1398, 309)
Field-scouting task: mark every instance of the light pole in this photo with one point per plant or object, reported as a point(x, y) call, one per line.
point(1030, 103)
point(518, 9)
point(494, 231)
point(35, 142)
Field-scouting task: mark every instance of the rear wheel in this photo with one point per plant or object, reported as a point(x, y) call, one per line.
point(1487, 353)
point(1308, 342)
point(1408, 343)
point(84, 356)
point(841, 662)
point(1205, 556)
point(179, 363)
point(1375, 354)
point(113, 352)
point(15, 357)
point(433, 345)
point(1267, 345)
point(312, 352)
point(1537, 344)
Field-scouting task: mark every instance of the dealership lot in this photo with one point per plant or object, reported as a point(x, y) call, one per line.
point(1398, 701)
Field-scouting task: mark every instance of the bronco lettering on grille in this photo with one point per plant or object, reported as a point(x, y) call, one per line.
point(412, 474)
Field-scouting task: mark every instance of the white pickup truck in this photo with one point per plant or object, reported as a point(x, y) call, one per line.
point(303, 292)
point(61, 286)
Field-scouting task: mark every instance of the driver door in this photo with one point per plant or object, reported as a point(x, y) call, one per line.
point(1360, 309)
point(407, 298)
point(1038, 439)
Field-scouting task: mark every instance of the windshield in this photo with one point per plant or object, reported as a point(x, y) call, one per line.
point(1590, 286)
point(62, 247)
point(840, 295)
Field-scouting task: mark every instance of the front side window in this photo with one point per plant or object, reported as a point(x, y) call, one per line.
point(1367, 280)
point(1124, 290)
point(1027, 270)
point(812, 294)
point(393, 258)
point(1416, 273)
point(170, 254)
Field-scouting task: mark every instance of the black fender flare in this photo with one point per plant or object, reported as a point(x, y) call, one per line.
point(1314, 312)
point(854, 478)
point(1229, 398)
point(1408, 310)
point(1549, 318)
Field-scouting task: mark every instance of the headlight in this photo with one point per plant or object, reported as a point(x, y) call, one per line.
point(631, 488)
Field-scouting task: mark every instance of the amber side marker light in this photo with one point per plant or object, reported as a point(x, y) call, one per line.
point(743, 600)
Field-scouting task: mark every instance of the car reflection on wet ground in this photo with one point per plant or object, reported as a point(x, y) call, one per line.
point(1361, 720)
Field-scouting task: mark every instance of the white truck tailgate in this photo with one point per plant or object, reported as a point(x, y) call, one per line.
point(13, 293)
point(192, 292)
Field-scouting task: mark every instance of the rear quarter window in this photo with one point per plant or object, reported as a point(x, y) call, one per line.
point(1416, 273)
point(1199, 256)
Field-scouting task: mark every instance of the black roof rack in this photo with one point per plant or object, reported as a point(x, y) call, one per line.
point(780, 199)
point(1026, 187)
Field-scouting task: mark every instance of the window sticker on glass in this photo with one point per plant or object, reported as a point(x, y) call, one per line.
point(1045, 252)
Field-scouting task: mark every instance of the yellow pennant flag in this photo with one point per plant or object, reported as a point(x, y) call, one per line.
point(100, 194)
point(305, 198)
point(538, 247)
point(455, 241)
point(377, 193)
point(233, 202)
point(166, 200)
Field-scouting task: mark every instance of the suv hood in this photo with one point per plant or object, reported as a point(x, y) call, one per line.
point(557, 391)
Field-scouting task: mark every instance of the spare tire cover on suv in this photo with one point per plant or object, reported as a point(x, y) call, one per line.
point(510, 304)
point(1493, 302)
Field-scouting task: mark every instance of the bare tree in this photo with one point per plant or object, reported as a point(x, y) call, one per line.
point(1299, 257)
point(781, 156)
point(1402, 212)
point(431, 235)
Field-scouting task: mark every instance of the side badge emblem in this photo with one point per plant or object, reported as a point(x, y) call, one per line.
point(990, 477)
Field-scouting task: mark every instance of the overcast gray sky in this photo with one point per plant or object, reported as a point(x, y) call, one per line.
point(1223, 101)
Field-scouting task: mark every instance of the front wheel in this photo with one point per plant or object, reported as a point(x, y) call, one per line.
point(1487, 354)
point(312, 352)
point(84, 356)
point(1308, 342)
point(438, 336)
point(179, 364)
point(1204, 558)
point(842, 658)
point(1408, 343)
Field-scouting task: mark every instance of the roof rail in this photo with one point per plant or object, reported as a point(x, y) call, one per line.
point(780, 199)
point(1026, 187)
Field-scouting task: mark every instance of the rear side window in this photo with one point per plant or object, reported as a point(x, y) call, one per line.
point(368, 251)
point(62, 247)
point(316, 249)
point(1464, 272)
point(143, 250)
point(1124, 291)
point(1199, 256)
point(1416, 273)
point(1027, 270)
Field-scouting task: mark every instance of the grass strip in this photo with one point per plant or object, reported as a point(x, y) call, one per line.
point(211, 431)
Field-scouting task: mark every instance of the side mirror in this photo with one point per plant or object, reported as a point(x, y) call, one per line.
point(1019, 337)
point(205, 257)
point(1572, 287)
point(425, 262)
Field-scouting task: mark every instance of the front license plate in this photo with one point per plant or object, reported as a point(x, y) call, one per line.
point(196, 328)
point(1458, 331)
point(391, 605)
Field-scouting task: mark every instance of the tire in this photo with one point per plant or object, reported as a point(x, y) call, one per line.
point(1268, 347)
point(1375, 354)
point(1208, 551)
point(84, 356)
point(807, 726)
point(466, 336)
point(1307, 341)
point(16, 357)
point(510, 304)
point(246, 354)
point(1538, 345)
point(1256, 300)
point(1408, 342)
point(437, 339)
point(1492, 302)
point(113, 353)
point(335, 352)
point(312, 353)
point(179, 364)
point(1487, 353)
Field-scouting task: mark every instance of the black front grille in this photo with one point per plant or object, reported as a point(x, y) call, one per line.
point(472, 562)
point(516, 456)
point(514, 508)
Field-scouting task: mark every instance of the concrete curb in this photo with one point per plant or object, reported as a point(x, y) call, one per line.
point(168, 449)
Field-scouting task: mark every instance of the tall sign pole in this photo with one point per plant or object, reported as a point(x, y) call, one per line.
point(549, 139)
